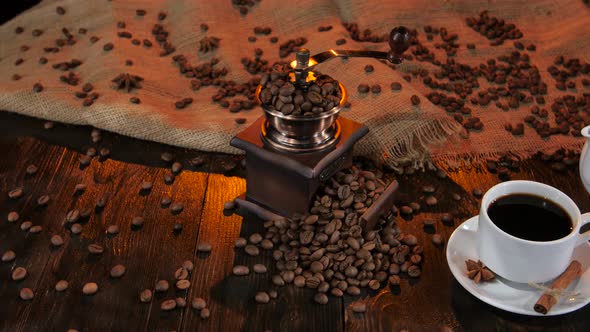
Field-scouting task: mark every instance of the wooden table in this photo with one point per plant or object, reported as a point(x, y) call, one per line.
point(154, 251)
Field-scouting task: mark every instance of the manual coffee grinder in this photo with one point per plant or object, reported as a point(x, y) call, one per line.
point(288, 157)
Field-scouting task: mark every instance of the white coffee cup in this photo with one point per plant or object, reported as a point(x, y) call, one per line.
point(521, 260)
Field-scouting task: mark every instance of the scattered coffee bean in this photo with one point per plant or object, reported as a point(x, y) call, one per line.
point(430, 200)
point(37, 32)
point(180, 302)
point(477, 192)
point(19, 273)
point(252, 250)
point(57, 240)
point(26, 294)
point(376, 89)
point(394, 280)
point(259, 268)
point(198, 303)
point(204, 247)
point(95, 249)
point(37, 87)
point(188, 265)
point(16, 193)
point(137, 221)
point(8, 256)
point(359, 307)
point(165, 201)
point(72, 216)
point(25, 226)
point(13, 216)
point(60, 10)
point(320, 298)
point(183, 284)
point(146, 185)
point(168, 305)
point(117, 271)
point(113, 229)
point(176, 207)
point(241, 270)
point(19, 30)
point(340, 41)
point(415, 100)
point(90, 288)
point(447, 218)
point(35, 229)
point(262, 297)
point(80, 188)
point(76, 228)
point(205, 313)
point(140, 12)
point(145, 296)
point(108, 47)
point(43, 200)
point(162, 286)
point(437, 239)
point(240, 242)
point(369, 69)
point(363, 88)
point(31, 169)
point(176, 167)
point(181, 273)
point(62, 285)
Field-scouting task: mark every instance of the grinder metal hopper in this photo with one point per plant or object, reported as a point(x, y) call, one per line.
point(289, 156)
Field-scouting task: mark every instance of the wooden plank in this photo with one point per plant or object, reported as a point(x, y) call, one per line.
point(149, 253)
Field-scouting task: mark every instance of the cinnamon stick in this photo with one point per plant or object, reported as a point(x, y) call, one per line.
point(549, 298)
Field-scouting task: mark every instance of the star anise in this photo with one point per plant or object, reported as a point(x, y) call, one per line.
point(478, 271)
point(208, 44)
point(127, 81)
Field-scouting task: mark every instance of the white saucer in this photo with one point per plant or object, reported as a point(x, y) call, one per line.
point(507, 295)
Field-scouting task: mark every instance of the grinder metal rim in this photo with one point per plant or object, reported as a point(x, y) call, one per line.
point(301, 133)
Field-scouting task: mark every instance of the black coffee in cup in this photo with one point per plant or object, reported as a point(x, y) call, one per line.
point(530, 217)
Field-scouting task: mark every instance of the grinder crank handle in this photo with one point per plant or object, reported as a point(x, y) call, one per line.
point(399, 41)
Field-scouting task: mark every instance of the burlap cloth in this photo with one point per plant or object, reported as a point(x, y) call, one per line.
point(399, 132)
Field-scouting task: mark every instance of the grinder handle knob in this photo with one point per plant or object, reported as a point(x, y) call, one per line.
point(400, 40)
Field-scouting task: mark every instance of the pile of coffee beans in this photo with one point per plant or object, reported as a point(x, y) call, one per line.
point(280, 94)
point(493, 28)
point(328, 250)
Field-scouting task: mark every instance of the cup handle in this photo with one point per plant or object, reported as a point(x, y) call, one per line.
point(584, 237)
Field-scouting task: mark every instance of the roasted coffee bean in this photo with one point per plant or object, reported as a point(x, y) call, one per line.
point(19, 273)
point(137, 221)
point(80, 188)
point(19, 30)
point(146, 185)
point(37, 32)
point(363, 88)
point(26, 294)
point(35, 229)
point(183, 284)
point(369, 69)
point(176, 207)
point(252, 250)
point(168, 305)
point(62, 285)
point(113, 229)
point(176, 167)
point(13, 216)
point(43, 200)
point(16, 193)
point(180, 302)
point(188, 265)
point(414, 271)
point(198, 303)
point(76, 228)
point(430, 200)
point(375, 88)
point(204, 247)
point(162, 286)
point(60, 10)
point(259, 268)
point(25, 226)
point(262, 297)
point(477, 193)
point(42, 60)
point(205, 313)
point(241, 270)
point(118, 271)
point(320, 298)
point(178, 227)
point(90, 288)
point(394, 280)
point(359, 307)
point(181, 273)
point(415, 100)
point(447, 218)
point(108, 47)
point(95, 249)
point(8, 256)
point(145, 296)
point(140, 12)
point(37, 87)
point(437, 239)
point(240, 242)
point(57, 240)
point(340, 41)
